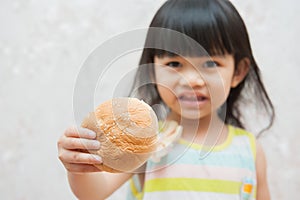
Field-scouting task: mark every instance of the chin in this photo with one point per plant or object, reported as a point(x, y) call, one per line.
point(189, 115)
point(194, 114)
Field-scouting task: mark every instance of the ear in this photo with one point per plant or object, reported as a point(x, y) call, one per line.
point(240, 72)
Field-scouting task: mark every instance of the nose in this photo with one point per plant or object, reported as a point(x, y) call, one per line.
point(192, 78)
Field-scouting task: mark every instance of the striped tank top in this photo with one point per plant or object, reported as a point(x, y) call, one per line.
point(227, 172)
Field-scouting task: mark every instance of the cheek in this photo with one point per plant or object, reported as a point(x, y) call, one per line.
point(165, 78)
point(165, 93)
point(165, 82)
point(219, 89)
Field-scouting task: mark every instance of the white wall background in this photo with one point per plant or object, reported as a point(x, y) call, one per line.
point(42, 46)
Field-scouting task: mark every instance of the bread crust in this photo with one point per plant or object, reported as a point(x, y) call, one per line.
point(127, 129)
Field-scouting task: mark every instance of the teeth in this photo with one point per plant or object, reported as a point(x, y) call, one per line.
point(192, 98)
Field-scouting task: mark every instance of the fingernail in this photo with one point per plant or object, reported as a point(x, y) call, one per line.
point(92, 134)
point(96, 144)
point(98, 159)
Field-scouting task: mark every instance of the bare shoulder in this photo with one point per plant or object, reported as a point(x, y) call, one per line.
point(261, 173)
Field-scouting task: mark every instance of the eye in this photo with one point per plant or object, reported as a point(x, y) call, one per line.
point(211, 64)
point(174, 64)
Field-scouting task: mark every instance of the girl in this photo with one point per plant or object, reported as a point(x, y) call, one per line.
point(203, 86)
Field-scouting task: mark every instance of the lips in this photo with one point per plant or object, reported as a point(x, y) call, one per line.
point(192, 99)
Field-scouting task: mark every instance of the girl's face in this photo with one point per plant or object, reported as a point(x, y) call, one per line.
point(195, 87)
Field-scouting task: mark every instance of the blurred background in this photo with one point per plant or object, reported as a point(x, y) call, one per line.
point(43, 45)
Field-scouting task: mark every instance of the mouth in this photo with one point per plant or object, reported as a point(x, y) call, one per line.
point(192, 99)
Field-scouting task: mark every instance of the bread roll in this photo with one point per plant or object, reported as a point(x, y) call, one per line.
point(127, 130)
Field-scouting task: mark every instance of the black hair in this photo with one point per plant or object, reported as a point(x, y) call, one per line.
point(217, 26)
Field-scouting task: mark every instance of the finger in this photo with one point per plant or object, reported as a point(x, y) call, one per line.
point(80, 143)
point(75, 157)
point(81, 168)
point(80, 132)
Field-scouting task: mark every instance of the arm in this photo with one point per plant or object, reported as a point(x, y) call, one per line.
point(96, 186)
point(261, 173)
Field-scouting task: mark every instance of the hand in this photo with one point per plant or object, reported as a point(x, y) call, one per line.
point(73, 148)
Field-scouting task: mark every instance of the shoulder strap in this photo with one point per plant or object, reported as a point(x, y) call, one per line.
point(251, 137)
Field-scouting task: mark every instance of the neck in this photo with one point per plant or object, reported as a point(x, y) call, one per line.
point(208, 129)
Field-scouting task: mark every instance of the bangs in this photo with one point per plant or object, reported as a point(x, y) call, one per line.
point(204, 25)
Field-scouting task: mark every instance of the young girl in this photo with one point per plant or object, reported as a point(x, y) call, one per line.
point(215, 158)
